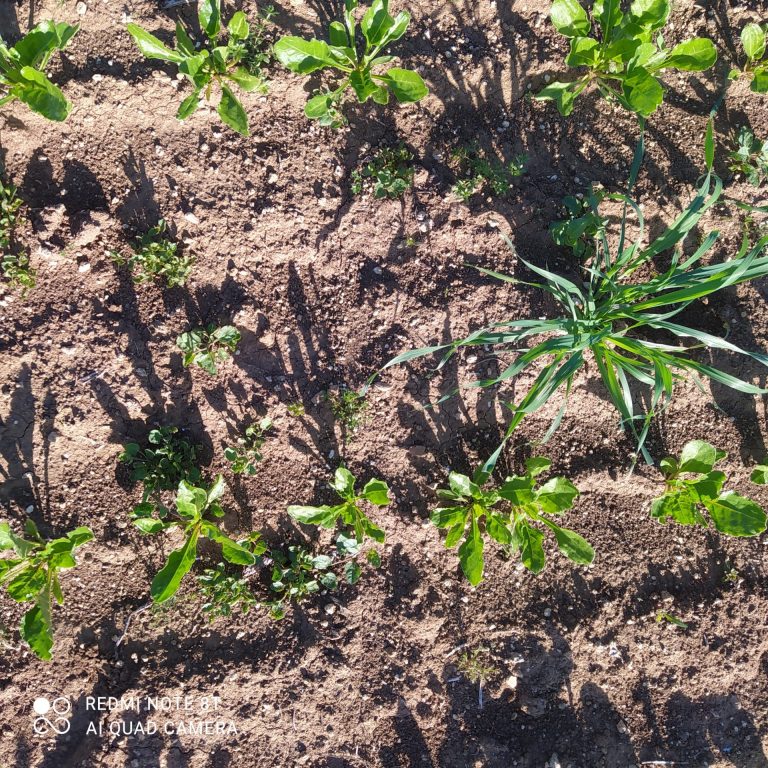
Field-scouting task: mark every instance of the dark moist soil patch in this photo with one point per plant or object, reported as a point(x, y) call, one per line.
point(325, 287)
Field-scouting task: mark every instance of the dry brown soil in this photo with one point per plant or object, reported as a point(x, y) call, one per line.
point(325, 287)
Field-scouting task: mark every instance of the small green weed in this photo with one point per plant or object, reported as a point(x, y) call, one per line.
point(348, 408)
point(205, 347)
point(671, 619)
point(14, 262)
point(389, 171)
point(753, 41)
point(244, 456)
point(583, 224)
point(476, 172)
point(750, 157)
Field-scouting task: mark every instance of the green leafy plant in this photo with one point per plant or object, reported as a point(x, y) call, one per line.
point(297, 574)
point(358, 71)
point(616, 321)
point(244, 456)
point(348, 408)
point(205, 347)
point(160, 466)
point(224, 63)
point(509, 515)
point(194, 507)
point(671, 619)
point(22, 70)
point(693, 486)
point(753, 41)
point(583, 223)
point(750, 157)
point(14, 261)
point(389, 171)
point(349, 511)
point(477, 172)
point(626, 55)
point(257, 52)
point(31, 575)
point(296, 409)
point(155, 255)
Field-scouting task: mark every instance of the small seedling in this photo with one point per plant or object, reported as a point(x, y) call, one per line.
point(13, 262)
point(476, 172)
point(22, 70)
point(348, 408)
point(731, 576)
point(155, 255)
point(389, 171)
point(583, 223)
point(32, 576)
point(296, 409)
point(508, 516)
point(625, 57)
point(349, 511)
point(668, 617)
point(296, 575)
point(258, 54)
point(357, 71)
point(685, 499)
point(205, 347)
point(209, 62)
point(750, 157)
point(471, 664)
point(753, 41)
point(194, 506)
point(247, 452)
point(161, 465)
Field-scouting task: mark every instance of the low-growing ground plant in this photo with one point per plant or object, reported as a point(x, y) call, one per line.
point(583, 224)
point(349, 512)
point(348, 408)
point(296, 409)
point(477, 173)
point(609, 317)
point(31, 575)
point(223, 593)
point(195, 507)
point(207, 346)
point(160, 466)
point(513, 515)
point(750, 157)
point(297, 574)
point(246, 453)
point(359, 71)
point(624, 56)
point(753, 40)
point(670, 619)
point(22, 70)
point(693, 486)
point(156, 255)
point(14, 262)
point(225, 56)
point(257, 52)
point(473, 665)
point(388, 172)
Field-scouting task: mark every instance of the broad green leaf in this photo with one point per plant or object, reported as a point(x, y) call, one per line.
point(608, 14)
point(344, 483)
point(37, 632)
point(753, 40)
point(168, 579)
point(517, 490)
point(668, 466)
point(572, 545)
point(373, 558)
point(324, 516)
point(318, 106)
point(447, 517)
point(376, 23)
point(471, 555)
point(556, 495)
point(760, 474)
point(406, 85)
point(149, 525)
point(238, 26)
point(651, 14)
point(736, 515)
point(707, 487)
point(321, 562)
point(329, 580)
point(151, 47)
point(36, 91)
point(352, 572)
point(373, 531)
point(80, 536)
point(498, 529)
point(363, 85)
point(462, 485)
point(699, 456)
point(643, 92)
point(209, 13)
point(395, 32)
point(678, 505)
point(303, 56)
point(190, 500)
point(245, 79)
point(232, 551)
point(569, 18)
point(536, 465)
point(232, 113)
point(759, 82)
point(584, 52)
point(184, 42)
point(531, 549)
point(693, 55)
point(563, 94)
point(189, 105)
point(337, 34)
point(377, 492)
point(453, 537)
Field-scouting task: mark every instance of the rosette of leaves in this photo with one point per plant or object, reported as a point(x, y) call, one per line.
point(31, 575)
point(349, 512)
point(205, 347)
point(161, 465)
point(22, 70)
point(215, 61)
point(625, 54)
point(750, 157)
point(694, 487)
point(192, 516)
point(357, 70)
point(477, 172)
point(515, 515)
point(14, 262)
point(156, 255)
point(583, 223)
point(297, 574)
point(389, 171)
point(246, 453)
point(753, 41)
